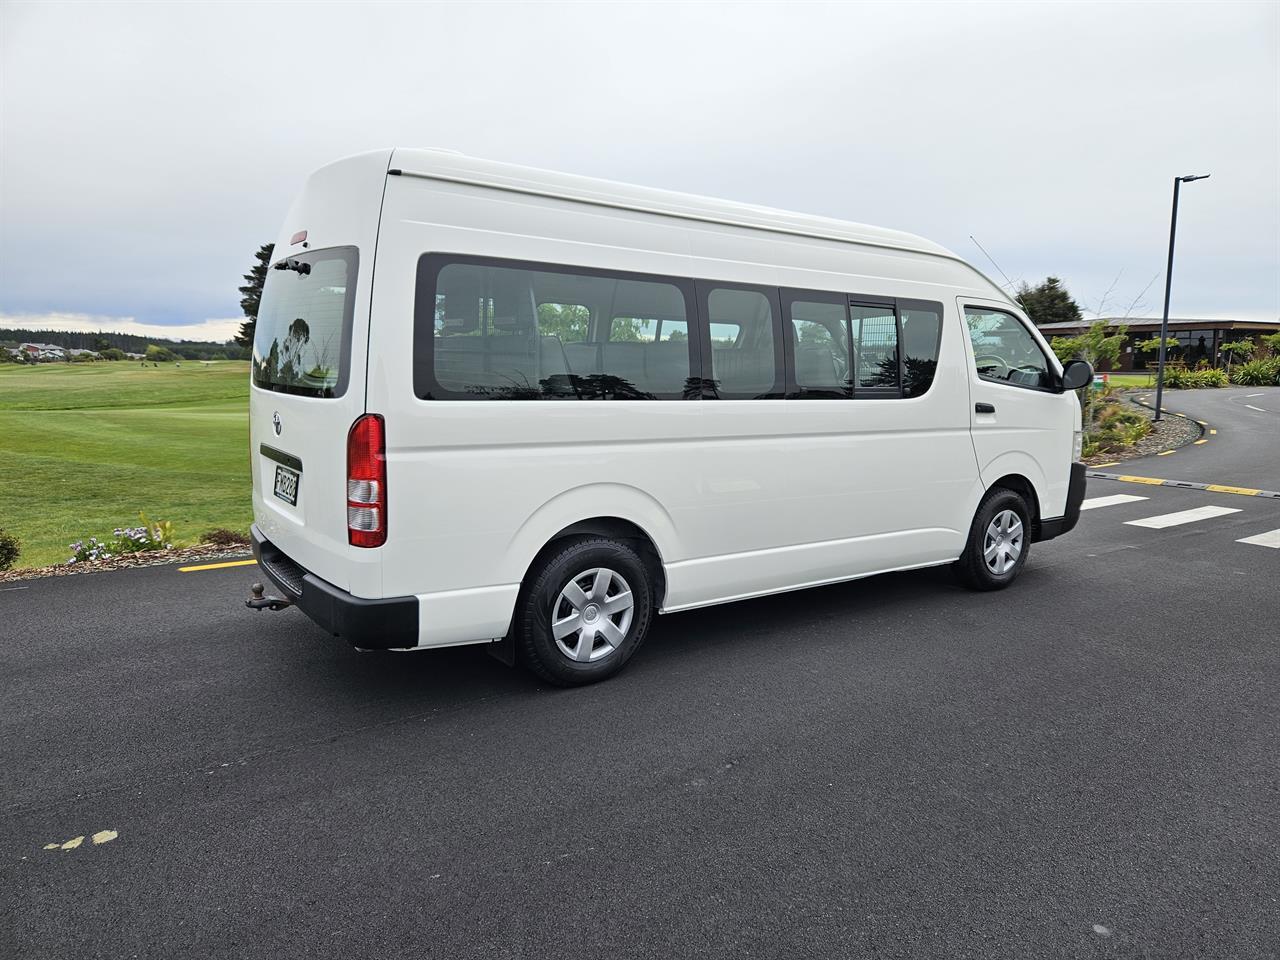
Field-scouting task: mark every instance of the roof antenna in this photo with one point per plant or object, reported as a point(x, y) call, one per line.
point(1008, 282)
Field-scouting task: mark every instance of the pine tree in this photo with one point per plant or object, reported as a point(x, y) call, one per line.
point(1048, 302)
point(251, 293)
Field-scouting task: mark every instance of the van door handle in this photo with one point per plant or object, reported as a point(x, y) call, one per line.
point(984, 408)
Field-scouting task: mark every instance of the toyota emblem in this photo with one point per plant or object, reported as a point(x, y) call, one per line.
point(275, 422)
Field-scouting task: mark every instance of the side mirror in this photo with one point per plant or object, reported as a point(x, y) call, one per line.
point(1076, 374)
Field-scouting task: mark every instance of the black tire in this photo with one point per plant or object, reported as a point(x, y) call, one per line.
point(972, 569)
point(541, 601)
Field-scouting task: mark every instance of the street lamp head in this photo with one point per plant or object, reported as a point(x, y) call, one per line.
point(1194, 176)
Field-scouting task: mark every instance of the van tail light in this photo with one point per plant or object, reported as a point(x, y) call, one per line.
point(367, 482)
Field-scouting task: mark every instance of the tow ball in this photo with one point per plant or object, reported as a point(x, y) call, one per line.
point(257, 601)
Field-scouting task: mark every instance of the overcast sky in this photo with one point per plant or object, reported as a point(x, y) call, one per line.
point(148, 149)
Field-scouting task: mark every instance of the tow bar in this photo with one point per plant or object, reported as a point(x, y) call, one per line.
point(257, 601)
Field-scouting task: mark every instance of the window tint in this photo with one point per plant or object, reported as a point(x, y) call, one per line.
point(743, 361)
point(821, 351)
point(1005, 351)
point(921, 332)
point(303, 335)
point(874, 330)
point(509, 333)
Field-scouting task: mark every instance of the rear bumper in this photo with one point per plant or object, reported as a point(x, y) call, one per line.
point(389, 624)
point(1056, 527)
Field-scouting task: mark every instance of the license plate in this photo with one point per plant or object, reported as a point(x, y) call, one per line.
point(287, 485)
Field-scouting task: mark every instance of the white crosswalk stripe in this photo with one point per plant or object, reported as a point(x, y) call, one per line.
point(1181, 517)
point(1269, 539)
point(1094, 502)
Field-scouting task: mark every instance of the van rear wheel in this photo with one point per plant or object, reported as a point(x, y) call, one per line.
point(584, 611)
point(999, 542)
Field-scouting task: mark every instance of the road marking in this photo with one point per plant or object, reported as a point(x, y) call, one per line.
point(1250, 396)
point(1201, 440)
point(1182, 516)
point(1166, 453)
point(102, 836)
point(1252, 407)
point(1094, 502)
point(1223, 488)
point(1203, 423)
point(218, 566)
point(1186, 485)
point(1270, 539)
point(1212, 432)
point(1113, 463)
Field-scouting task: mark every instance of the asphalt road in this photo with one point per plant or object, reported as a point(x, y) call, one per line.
point(1245, 450)
point(1084, 765)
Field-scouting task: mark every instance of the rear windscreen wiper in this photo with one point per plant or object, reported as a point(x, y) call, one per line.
point(297, 265)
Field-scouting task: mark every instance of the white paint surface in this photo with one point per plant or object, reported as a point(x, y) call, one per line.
point(1269, 539)
point(1181, 517)
point(1114, 500)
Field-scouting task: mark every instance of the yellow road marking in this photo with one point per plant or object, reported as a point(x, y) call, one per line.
point(1150, 480)
point(1203, 423)
point(218, 566)
point(1111, 464)
point(1243, 491)
point(1165, 453)
point(52, 846)
point(105, 836)
point(73, 843)
point(1212, 431)
point(1202, 440)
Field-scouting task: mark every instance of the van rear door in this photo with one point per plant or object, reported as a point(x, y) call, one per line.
point(307, 391)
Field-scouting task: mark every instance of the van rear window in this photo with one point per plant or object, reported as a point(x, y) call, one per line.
point(302, 342)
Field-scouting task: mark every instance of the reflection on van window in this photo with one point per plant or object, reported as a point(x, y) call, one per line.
point(875, 346)
point(821, 348)
point(1005, 351)
point(303, 334)
point(509, 333)
point(742, 352)
point(921, 329)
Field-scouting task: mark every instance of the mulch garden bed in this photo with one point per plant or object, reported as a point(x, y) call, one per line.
point(1170, 433)
point(124, 561)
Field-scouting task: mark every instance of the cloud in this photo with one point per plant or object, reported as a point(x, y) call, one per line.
point(218, 331)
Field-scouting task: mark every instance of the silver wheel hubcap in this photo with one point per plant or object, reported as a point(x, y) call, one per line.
point(1002, 545)
point(592, 615)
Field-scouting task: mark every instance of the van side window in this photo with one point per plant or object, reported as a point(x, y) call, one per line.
point(528, 332)
point(818, 327)
point(921, 336)
point(874, 333)
point(1004, 350)
point(745, 360)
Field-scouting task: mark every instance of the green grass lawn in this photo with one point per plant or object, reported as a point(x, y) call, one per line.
point(84, 447)
point(1131, 379)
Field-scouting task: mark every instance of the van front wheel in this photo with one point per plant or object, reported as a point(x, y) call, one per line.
point(999, 542)
point(584, 611)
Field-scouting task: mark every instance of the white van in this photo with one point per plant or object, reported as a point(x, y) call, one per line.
point(499, 405)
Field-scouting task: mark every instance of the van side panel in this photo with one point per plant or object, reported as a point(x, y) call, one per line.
point(739, 497)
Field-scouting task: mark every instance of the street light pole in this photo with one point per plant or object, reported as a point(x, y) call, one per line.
point(1168, 284)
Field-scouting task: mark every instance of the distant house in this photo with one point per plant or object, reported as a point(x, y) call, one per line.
point(42, 352)
point(1197, 339)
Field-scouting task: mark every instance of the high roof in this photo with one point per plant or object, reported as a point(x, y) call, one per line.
point(450, 166)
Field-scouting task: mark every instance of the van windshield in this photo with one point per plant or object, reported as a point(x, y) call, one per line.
point(302, 341)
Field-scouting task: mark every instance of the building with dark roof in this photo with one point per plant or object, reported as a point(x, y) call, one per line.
point(1197, 339)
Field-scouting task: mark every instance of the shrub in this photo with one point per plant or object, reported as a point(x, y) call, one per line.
point(10, 547)
point(222, 537)
point(1180, 379)
point(1258, 373)
point(149, 536)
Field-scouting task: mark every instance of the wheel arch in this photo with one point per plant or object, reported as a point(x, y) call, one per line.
point(617, 511)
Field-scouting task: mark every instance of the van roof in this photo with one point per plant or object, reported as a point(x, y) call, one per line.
point(451, 166)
